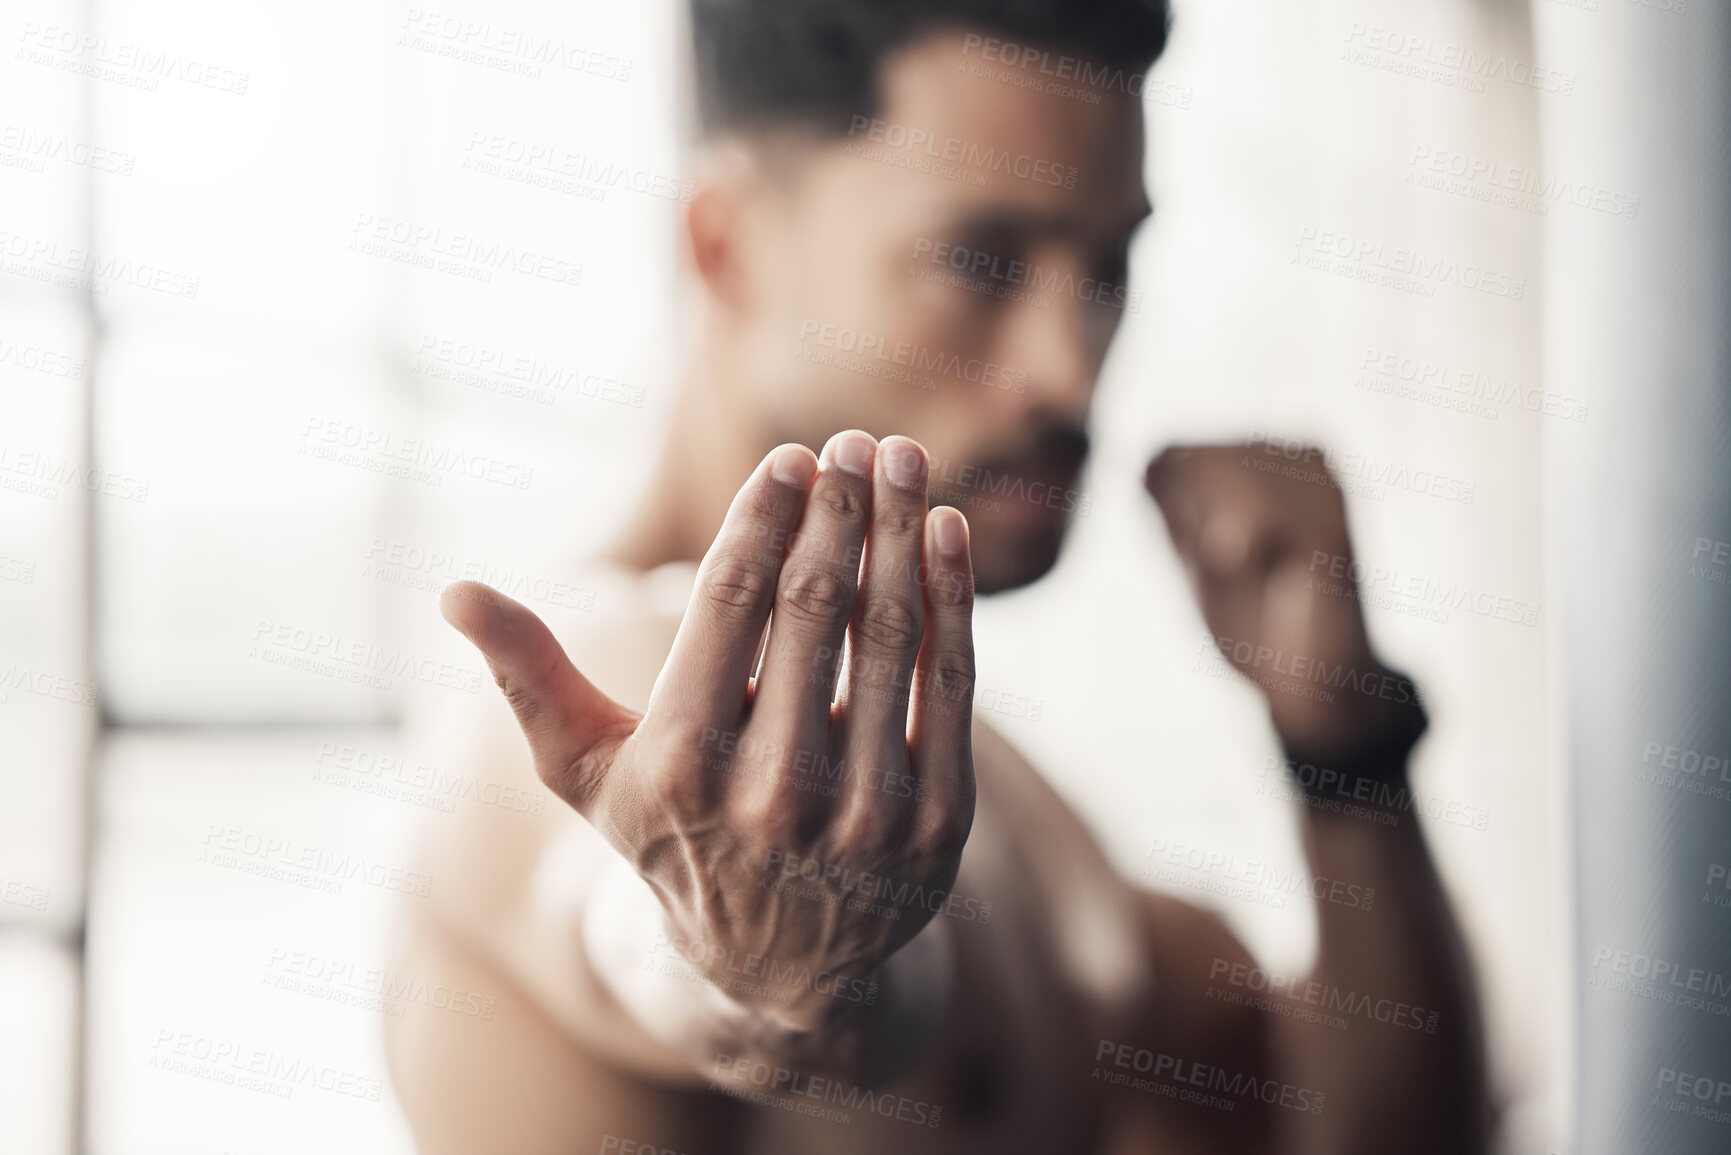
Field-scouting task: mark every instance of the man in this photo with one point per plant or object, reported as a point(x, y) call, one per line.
point(809, 904)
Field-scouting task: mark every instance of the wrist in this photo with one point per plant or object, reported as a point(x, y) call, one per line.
point(859, 1025)
point(1366, 749)
point(890, 1017)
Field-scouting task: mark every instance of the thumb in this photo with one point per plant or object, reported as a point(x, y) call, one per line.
point(572, 727)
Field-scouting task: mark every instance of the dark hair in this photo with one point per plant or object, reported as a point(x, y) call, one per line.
point(814, 63)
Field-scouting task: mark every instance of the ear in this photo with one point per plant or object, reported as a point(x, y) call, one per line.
point(721, 223)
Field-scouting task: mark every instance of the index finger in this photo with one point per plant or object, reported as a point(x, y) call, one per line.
point(707, 673)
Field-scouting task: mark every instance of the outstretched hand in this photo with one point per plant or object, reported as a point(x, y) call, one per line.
point(845, 760)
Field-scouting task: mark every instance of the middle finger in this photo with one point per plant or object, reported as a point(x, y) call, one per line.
point(815, 596)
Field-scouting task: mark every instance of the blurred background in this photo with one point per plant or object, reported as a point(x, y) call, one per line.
point(245, 260)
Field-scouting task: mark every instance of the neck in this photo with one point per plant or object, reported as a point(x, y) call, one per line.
point(709, 451)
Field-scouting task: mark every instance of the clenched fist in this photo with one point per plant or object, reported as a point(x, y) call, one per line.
point(864, 689)
point(1261, 530)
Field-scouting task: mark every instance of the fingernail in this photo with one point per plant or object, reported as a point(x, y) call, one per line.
point(853, 451)
point(950, 531)
point(904, 463)
point(792, 465)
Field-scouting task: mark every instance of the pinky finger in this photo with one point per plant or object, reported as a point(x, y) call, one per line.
point(943, 696)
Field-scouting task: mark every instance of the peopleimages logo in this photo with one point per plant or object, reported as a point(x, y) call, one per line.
point(861, 890)
point(24, 895)
point(1326, 788)
point(955, 150)
point(1459, 65)
point(979, 270)
point(60, 687)
point(916, 358)
point(348, 983)
point(382, 451)
point(1514, 186)
point(40, 474)
point(1172, 1069)
point(352, 659)
point(1091, 79)
point(263, 1069)
point(1681, 1092)
point(784, 1087)
point(1460, 389)
point(1664, 973)
point(467, 255)
point(30, 149)
point(751, 975)
point(1399, 267)
point(1355, 472)
point(1343, 576)
point(41, 259)
point(225, 845)
point(1392, 1012)
point(504, 49)
point(1256, 659)
point(493, 369)
point(1168, 862)
point(122, 61)
point(812, 772)
point(544, 164)
point(38, 359)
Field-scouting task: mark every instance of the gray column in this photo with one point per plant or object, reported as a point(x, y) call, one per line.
point(1638, 309)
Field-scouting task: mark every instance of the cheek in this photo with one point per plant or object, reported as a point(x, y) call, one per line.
point(949, 327)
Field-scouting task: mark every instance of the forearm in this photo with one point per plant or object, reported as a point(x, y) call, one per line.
point(1406, 1072)
point(1253, 538)
point(729, 1012)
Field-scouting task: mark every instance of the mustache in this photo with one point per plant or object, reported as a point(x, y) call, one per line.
point(1053, 447)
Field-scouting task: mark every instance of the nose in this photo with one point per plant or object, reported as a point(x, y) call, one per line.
point(1057, 340)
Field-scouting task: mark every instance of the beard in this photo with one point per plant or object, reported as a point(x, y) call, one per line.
point(1018, 499)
